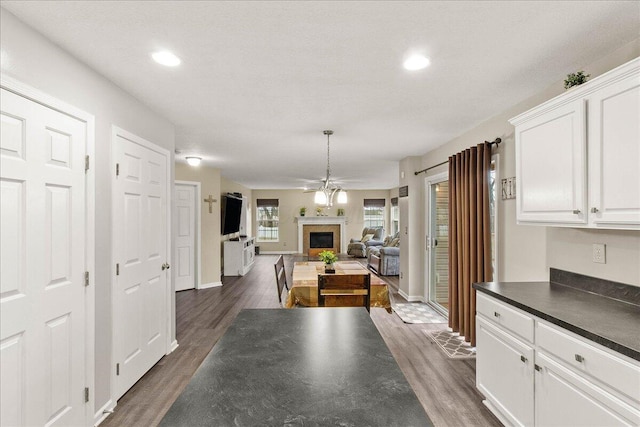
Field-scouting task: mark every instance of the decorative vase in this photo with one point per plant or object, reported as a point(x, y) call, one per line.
point(329, 268)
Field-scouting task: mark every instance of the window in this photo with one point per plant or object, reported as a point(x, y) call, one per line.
point(267, 216)
point(395, 216)
point(374, 212)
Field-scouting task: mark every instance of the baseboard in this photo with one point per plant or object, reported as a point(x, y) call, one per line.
point(103, 412)
point(173, 346)
point(278, 252)
point(210, 285)
point(409, 298)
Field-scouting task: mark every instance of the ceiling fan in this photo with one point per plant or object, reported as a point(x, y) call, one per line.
point(325, 194)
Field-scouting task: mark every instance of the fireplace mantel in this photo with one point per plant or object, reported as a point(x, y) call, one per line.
point(322, 220)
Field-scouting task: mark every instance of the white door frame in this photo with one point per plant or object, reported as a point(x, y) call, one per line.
point(428, 182)
point(115, 132)
point(35, 95)
point(198, 243)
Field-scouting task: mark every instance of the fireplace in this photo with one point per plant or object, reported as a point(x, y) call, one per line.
point(321, 224)
point(321, 239)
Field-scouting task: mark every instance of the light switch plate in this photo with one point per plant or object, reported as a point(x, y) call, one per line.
point(599, 253)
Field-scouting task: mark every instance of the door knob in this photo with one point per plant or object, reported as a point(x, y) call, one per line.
point(165, 266)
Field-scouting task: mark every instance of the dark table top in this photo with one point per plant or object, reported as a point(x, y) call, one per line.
point(612, 323)
point(318, 366)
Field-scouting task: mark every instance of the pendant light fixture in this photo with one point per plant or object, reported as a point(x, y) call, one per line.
point(325, 194)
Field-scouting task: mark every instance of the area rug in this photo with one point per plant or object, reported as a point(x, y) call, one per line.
point(454, 346)
point(418, 313)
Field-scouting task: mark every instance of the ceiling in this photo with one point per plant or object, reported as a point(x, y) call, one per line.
point(260, 81)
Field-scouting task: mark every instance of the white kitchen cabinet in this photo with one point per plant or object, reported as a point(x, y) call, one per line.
point(509, 389)
point(550, 376)
point(578, 155)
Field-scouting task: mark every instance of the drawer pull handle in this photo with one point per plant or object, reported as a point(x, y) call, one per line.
point(524, 359)
point(576, 211)
point(594, 210)
point(537, 368)
point(579, 358)
point(496, 314)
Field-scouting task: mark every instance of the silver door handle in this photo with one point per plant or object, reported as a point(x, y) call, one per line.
point(165, 266)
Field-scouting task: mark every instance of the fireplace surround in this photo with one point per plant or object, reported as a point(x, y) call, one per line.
point(321, 224)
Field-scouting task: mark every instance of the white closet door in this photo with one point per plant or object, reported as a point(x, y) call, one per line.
point(185, 236)
point(42, 293)
point(141, 312)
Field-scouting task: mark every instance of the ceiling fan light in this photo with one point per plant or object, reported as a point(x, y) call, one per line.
point(320, 198)
point(342, 197)
point(194, 161)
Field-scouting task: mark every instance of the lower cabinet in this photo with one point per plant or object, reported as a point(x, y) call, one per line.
point(510, 388)
point(552, 377)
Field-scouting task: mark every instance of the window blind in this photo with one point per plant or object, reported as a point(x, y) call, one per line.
point(267, 203)
point(374, 203)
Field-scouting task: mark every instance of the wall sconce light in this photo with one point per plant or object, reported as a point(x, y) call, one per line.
point(194, 161)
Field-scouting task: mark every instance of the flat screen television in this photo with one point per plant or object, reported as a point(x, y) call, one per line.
point(231, 214)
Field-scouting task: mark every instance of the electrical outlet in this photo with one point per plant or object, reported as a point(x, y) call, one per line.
point(599, 253)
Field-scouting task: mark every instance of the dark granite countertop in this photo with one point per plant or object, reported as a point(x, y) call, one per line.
point(320, 366)
point(610, 322)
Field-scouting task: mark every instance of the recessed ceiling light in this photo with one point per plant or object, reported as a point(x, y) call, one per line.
point(416, 62)
point(166, 58)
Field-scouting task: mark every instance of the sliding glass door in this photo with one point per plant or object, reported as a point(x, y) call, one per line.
point(437, 243)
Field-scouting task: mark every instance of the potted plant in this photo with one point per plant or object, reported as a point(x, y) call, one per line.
point(328, 257)
point(318, 211)
point(575, 79)
point(340, 212)
point(303, 211)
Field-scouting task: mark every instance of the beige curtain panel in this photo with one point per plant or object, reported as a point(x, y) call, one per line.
point(469, 235)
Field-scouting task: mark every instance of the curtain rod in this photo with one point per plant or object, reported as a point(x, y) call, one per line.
point(496, 142)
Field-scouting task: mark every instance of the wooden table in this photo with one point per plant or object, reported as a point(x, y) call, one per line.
point(319, 367)
point(304, 289)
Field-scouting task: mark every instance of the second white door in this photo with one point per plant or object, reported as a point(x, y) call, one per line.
point(141, 309)
point(185, 236)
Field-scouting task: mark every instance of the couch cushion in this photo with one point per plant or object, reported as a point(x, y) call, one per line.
point(366, 238)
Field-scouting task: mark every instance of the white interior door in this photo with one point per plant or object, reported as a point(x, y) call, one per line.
point(141, 242)
point(42, 292)
point(185, 236)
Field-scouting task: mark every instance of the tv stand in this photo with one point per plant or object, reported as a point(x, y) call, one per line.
point(238, 256)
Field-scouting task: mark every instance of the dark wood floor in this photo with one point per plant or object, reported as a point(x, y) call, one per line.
point(445, 387)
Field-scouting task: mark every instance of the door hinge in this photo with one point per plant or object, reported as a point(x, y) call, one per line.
point(86, 163)
point(86, 278)
point(86, 394)
point(117, 169)
point(117, 369)
point(117, 269)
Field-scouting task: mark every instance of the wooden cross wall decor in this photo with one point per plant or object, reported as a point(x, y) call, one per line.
point(211, 201)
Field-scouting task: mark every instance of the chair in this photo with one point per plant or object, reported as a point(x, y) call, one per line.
point(345, 285)
point(370, 237)
point(281, 277)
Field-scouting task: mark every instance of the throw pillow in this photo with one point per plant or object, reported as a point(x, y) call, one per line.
point(395, 242)
point(366, 238)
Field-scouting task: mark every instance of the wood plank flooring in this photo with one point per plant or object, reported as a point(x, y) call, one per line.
point(445, 387)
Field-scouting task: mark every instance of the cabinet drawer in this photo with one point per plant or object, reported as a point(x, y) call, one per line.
point(507, 317)
point(602, 365)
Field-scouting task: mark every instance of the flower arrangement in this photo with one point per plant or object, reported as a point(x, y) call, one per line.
point(328, 257)
point(340, 212)
point(575, 79)
point(303, 211)
point(318, 211)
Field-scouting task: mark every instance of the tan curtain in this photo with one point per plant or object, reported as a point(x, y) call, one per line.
point(469, 235)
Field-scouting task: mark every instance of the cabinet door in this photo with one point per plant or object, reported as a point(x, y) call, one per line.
point(614, 154)
point(504, 373)
point(564, 399)
point(551, 167)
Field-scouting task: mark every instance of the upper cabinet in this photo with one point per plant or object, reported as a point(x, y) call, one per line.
point(578, 155)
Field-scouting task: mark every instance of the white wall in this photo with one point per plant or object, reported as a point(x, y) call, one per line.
point(525, 253)
point(32, 59)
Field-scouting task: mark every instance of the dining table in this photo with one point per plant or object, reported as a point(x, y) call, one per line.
point(304, 287)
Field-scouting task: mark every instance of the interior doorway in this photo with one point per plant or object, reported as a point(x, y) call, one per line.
point(187, 235)
point(436, 291)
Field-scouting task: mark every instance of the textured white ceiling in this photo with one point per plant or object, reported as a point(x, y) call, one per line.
point(260, 81)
